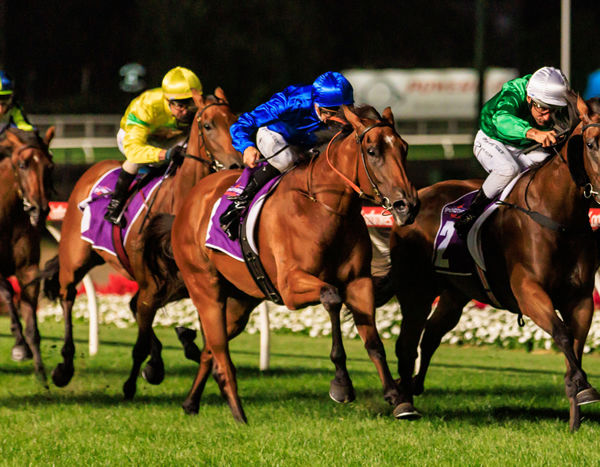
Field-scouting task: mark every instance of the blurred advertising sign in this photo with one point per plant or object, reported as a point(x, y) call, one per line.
point(426, 93)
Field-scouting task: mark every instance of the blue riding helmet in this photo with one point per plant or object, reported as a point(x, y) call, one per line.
point(6, 84)
point(332, 89)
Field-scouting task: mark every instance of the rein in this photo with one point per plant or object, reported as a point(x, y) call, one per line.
point(213, 163)
point(384, 202)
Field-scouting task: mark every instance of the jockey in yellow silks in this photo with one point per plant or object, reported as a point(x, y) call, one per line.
point(153, 129)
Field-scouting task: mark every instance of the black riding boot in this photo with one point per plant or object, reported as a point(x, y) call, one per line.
point(468, 218)
point(119, 197)
point(230, 219)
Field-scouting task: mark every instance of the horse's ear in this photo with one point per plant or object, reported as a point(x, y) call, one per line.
point(198, 98)
point(49, 135)
point(575, 160)
point(220, 94)
point(353, 119)
point(388, 116)
point(583, 110)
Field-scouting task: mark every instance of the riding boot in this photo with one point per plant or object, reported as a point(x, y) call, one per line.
point(230, 219)
point(468, 218)
point(119, 197)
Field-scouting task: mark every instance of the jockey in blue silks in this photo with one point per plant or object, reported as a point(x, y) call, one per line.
point(284, 128)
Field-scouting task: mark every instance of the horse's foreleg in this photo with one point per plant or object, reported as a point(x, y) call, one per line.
point(360, 301)
point(154, 371)
point(534, 302)
point(20, 350)
point(28, 306)
point(63, 372)
point(578, 317)
point(340, 389)
point(445, 317)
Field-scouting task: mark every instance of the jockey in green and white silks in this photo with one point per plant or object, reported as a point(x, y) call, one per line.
point(281, 129)
point(520, 115)
point(11, 113)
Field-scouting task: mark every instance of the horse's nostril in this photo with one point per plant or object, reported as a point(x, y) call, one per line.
point(234, 166)
point(400, 205)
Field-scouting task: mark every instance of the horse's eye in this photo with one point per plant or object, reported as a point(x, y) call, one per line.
point(22, 165)
point(590, 144)
point(371, 151)
point(207, 126)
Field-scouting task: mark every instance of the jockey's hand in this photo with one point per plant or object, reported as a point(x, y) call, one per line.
point(176, 153)
point(545, 138)
point(251, 156)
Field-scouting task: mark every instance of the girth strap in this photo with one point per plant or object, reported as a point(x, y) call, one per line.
point(256, 269)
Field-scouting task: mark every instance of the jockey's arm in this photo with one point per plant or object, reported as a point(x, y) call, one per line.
point(137, 149)
point(19, 119)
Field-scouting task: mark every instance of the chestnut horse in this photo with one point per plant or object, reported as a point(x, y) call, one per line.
point(534, 266)
point(313, 244)
point(209, 144)
point(25, 184)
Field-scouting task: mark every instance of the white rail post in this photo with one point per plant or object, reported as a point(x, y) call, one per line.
point(92, 302)
point(265, 338)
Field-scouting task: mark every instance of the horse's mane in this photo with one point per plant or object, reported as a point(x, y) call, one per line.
point(363, 111)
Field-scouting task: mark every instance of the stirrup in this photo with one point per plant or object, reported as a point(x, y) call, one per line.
point(114, 213)
point(464, 225)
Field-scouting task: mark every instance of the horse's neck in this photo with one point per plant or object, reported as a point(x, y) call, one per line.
point(553, 191)
point(190, 172)
point(326, 185)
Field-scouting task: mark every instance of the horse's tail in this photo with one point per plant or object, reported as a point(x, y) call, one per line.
point(383, 287)
point(158, 256)
point(49, 276)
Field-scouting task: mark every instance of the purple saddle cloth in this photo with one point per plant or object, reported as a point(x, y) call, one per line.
point(94, 228)
point(216, 238)
point(450, 254)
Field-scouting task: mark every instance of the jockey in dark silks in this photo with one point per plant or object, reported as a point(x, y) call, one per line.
point(11, 113)
point(153, 129)
point(281, 130)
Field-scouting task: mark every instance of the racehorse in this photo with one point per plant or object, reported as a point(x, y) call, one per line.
point(313, 244)
point(540, 256)
point(25, 185)
point(209, 147)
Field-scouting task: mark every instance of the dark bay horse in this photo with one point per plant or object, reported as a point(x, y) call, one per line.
point(209, 144)
point(313, 244)
point(25, 184)
point(533, 266)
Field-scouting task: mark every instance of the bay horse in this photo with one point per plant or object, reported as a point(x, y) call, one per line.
point(540, 256)
point(209, 147)
point(25, 184)
point(313, 243)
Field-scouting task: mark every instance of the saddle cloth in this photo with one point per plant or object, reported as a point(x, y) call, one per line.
point(449, 254)
point(94, 228)
point(215, 237)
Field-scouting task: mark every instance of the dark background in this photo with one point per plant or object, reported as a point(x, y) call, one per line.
point(66, 55)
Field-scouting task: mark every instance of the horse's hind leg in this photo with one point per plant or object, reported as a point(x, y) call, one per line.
point(28, 306)
point(340, 389)
point(238, 312)
point(445, 317)
point(20, 350)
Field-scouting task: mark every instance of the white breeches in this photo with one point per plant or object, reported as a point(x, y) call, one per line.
point(502, 162)
point(269, 143)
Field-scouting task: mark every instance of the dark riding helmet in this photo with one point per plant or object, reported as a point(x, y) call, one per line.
point(332, 89)
point(6, 84)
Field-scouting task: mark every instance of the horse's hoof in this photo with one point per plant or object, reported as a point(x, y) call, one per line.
point(587, 396)
point(20, 353)
point(341, 393)
point(62, 375)
point(190, 408)
point(129, 390)
point(406, 411)
point(154, 375)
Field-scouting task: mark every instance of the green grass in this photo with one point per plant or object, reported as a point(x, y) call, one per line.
point(482, 406)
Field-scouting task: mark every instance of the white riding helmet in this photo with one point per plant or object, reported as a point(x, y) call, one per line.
point(548, 86)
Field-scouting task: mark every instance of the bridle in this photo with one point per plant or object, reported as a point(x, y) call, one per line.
point(213, 163)
point(378, 199)
point(588, 189)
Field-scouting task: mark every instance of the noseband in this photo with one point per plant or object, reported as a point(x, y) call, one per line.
point(213, 163)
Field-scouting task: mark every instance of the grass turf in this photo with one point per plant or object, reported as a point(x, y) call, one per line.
point(481, 406)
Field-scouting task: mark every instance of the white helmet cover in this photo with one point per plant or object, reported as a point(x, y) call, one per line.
point(548, 86)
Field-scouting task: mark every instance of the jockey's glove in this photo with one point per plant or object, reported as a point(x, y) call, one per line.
point(176, 154)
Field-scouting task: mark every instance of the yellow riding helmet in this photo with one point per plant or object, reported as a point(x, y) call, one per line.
point(178, 83)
